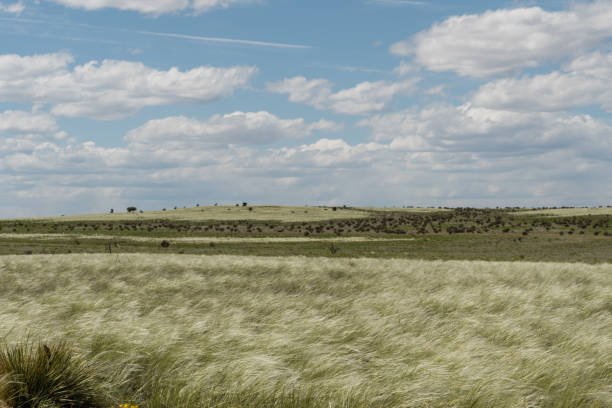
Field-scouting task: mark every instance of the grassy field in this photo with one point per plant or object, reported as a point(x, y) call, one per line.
point(413, 210)
point(313, 307)
point(224, 331)
point(500, 247)
point(235, 213)
point(461, 234)
point(224, 213)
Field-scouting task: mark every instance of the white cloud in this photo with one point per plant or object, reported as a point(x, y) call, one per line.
point(314, 92)
point(16, 67)
point(173, 142)
point(250, 128)
point(14, 8)
point(111, 89)
point(508, 40)
point(154, 7)
point(405, 68)
point(364, 98)
point(436, 90)
point(583, 82)
point(491, 133)
point(20, 122)
point(439, 155)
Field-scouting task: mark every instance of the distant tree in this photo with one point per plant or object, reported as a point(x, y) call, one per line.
point(131, 209)
point(112, 211)
point(244, 204)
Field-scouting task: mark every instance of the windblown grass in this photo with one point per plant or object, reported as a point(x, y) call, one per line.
point(187, 331)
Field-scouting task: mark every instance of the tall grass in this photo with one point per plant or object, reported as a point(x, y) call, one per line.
point(187, 331)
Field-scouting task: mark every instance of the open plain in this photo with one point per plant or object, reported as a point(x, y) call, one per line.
point(350, 308)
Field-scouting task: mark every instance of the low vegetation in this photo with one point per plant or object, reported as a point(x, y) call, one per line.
point(222, 213)
point(189, 331)
point(570, 212)
point(462, 233)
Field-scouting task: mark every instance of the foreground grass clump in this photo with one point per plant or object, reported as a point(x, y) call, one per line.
point(40, 376)
point(229, 331)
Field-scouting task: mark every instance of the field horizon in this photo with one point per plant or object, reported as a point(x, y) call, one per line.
point(275, 212)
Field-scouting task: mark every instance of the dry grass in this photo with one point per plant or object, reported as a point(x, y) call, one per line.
point(225, 213)
point(295, 332)
point(413, 210)
point(569, 212)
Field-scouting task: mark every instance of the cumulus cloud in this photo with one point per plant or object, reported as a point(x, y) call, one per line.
point(508, 40)
point(250, 128)
point(16, 67)
point(584, 81)
point(439, 155)
point(154, 7)
point(173, 142)
point(20, 122)
point(111, 89)
point(14, 8)
point(365, 97)
point(482, 131)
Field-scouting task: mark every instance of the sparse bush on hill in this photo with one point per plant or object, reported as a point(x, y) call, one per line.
point(131, 209)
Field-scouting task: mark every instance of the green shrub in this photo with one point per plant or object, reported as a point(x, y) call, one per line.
point(37, 376)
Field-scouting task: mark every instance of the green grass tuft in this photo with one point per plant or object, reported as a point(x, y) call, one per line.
point(40, 376)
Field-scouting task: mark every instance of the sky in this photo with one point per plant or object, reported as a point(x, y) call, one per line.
point(162, 103)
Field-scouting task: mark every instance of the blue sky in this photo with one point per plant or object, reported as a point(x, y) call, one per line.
point(110, 103)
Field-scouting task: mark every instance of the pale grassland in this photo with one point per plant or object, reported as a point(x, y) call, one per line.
point(189, 331)
point(224, 213)
point(417, 210)
point(568, 212)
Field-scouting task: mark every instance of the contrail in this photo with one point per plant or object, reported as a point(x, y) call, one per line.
point(170, 35)
point(225, 40)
